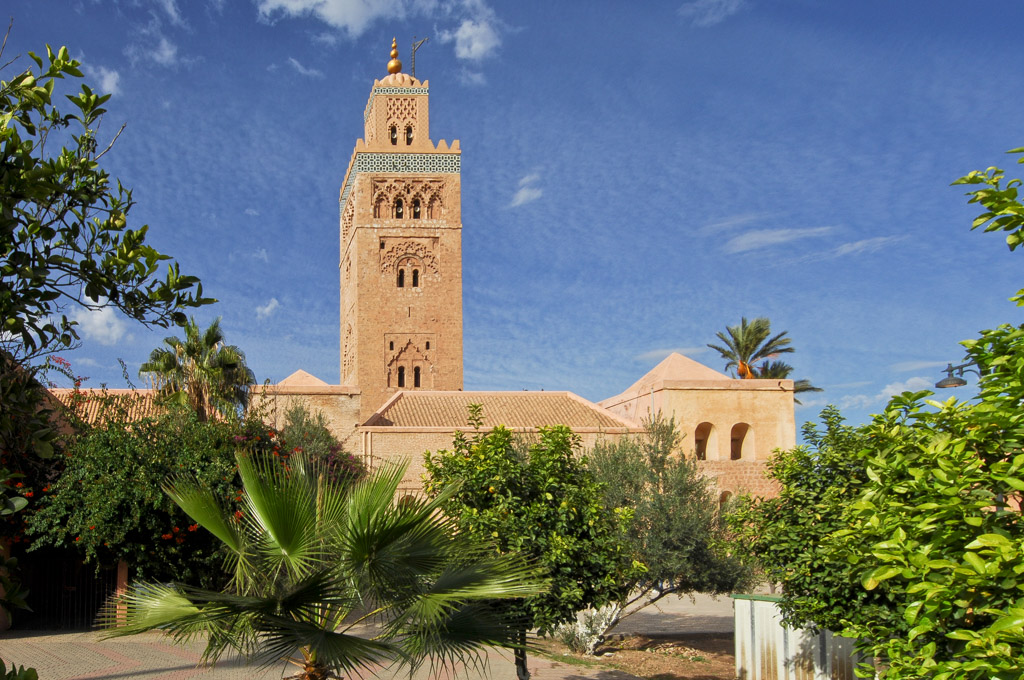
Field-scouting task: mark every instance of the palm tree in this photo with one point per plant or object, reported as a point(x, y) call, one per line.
point(201, 371)
point(781, 370)
point(748, 343)
point(313, 561)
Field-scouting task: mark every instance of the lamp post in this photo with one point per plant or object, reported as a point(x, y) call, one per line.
point(957, 380)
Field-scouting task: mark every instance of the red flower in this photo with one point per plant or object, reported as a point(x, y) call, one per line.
point(166, 537)
point(92, 528)
point(238, 514)
point(193, 527)
point(179, 540)
point(29, 494)
point(77, 539)
point(18, 485)
point(46, 488)
point(175, 529)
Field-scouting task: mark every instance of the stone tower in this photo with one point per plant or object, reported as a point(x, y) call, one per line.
point(401, 250)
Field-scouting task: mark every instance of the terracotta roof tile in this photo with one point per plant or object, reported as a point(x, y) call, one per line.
point(89, 404)
point(512, 409)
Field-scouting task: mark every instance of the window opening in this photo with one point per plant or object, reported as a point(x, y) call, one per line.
point(401, 376)
point(401, 278)
point(382, 245)
point(394, 135)
point(416, 377)
point(408, 135)
point(399, 208)
point(415, 278)
point(416, 208)
point(391, 345)
point(428, 344)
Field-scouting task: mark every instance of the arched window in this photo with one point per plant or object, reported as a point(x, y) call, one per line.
point(399, 208)
point(408, 135)
point(701, 439)
point(401, 278)
point(394, 135)
point(401, 376)
point(738, 441)
point(415, 278)
point(415, 208)
point(416, 376)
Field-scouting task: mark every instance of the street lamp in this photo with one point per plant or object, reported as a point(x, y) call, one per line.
point(957, 381)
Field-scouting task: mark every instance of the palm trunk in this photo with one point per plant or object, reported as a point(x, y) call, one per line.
point(522, 672)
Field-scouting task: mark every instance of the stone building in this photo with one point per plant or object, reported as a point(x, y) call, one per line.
point(401, 326)
point(400, 275)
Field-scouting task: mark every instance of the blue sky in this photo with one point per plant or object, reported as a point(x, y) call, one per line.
point(635, 176)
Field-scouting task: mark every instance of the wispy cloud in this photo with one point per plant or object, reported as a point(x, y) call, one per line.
point(107, 80)
point(102, 325)
point(732, 222)
point(170, 8)
point(528, 191)
point(266, 310)
point(916, 365)
point(252, 212)
point(862, 401)
point(763, 238)
point(868, 245)
point(153, 46)
point(261, 254)
point(302, 70)
point(659, 354)
point(471, 77)
point(705, 13)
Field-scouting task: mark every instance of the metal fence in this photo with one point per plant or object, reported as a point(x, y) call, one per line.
point(767, 650)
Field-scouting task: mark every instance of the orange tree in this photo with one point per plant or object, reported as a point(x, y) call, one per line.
point(542, 502)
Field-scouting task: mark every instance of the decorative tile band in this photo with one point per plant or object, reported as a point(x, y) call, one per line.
point(401, 163)
point(391, 90)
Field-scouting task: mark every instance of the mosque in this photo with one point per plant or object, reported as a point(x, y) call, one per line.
point(400, 268)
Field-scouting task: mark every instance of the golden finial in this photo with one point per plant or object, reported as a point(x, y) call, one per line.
point(394, 66)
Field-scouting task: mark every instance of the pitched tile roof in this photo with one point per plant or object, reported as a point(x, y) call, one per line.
point(90, 405)
point(512, 409)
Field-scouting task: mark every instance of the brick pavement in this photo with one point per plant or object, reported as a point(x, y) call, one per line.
point(85, 656)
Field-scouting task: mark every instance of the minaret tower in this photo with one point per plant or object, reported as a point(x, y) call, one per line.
point(401, 249)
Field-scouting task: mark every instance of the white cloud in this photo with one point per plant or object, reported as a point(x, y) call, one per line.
point(659, 354)
point(261, 254)
point(170, 8)
point(252, 212)
point(156, 48)
point(467, 77)
point(916, 365)
point(527, 191)
point(107, 80)
point(705, 13)
point(102, 325)
point(352, 16)
point(474, 39)
point(909, 385)
point(762, 238)
point(326, 38)
point(267, 309)
point(308, 72)
point(868, 245)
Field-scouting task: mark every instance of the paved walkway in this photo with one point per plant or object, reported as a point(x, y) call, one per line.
point(151, 656)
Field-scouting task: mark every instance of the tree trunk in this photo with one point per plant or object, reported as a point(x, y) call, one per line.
point(522, 672)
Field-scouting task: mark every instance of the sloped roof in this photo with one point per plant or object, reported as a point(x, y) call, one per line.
point(92, 405)
point(674, 367)
point(511, 409)
point(301, 378)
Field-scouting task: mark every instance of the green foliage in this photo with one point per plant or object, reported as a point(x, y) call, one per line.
point(308, 432)
point(201, 371)
point(64, 235)
point(311, 560)
point(108, 502)
point(789, 537)
point(544, 503)
point(675, 530)
point(1003, 210)
point(19, 673)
